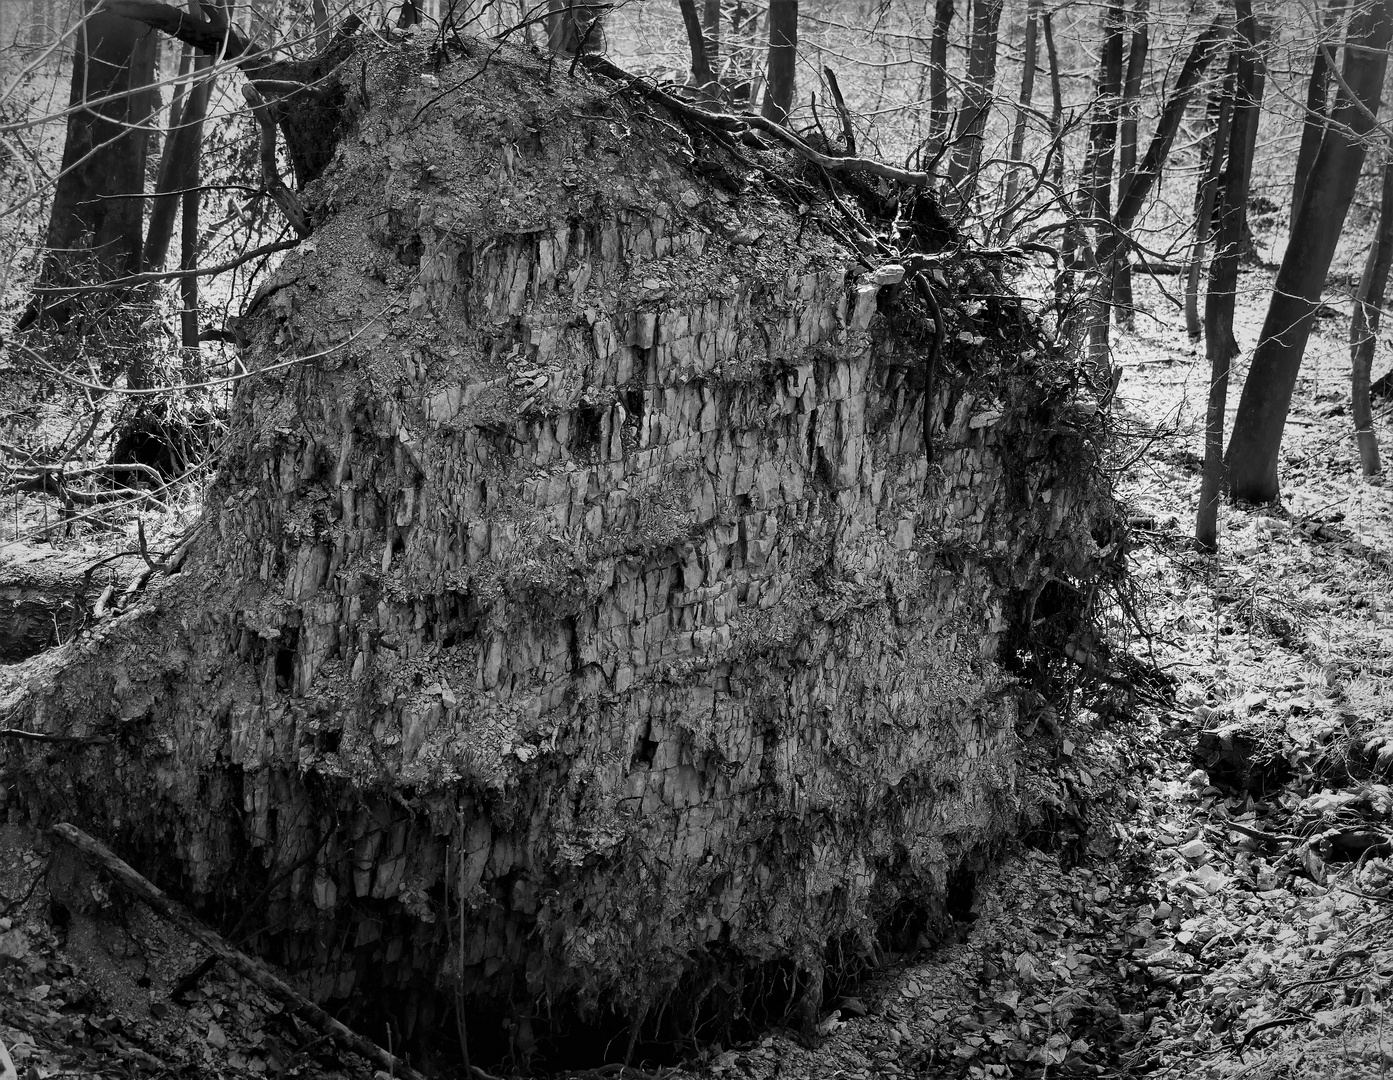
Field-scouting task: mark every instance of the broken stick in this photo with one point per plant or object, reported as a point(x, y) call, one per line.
point(252, 968)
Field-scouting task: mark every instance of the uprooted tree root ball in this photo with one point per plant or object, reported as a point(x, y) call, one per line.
point(582, 620)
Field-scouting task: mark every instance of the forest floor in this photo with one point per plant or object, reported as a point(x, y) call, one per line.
point(1182, 929)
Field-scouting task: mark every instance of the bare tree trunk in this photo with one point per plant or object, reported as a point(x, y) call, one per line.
point(975, 107)
point(1112, 247)
point(1127, 146)
point(783, 54)
point(164, 206)
point(1364, 325)
point(938, 73)
point(1246, 246)
point(191, 132)
point(1317, 104)
point(91, 235)
point(1095, 201)
point(1013, 178)
point(1262, 409)
point(319, 11)
point(1207, 191)
point(1056, 102)
point(182, 151)
point(1064, 279)
point(711, 35)
point(1096, 196)
point(1219, 344)
point(701, 63)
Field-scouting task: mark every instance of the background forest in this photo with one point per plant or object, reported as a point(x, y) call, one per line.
point(1105, 141)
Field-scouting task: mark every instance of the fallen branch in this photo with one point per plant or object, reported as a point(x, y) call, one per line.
point(248, 966)
point(1268, 1025)
point(7, 1067)
point(1258, 834)
point(45, 737)
point(170, 275)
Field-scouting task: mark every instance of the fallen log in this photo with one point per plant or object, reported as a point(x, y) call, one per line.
point(45, 597)
point(248, 966)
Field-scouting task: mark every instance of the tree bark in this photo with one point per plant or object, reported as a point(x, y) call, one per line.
point(1364, 325)
point(164, 206)
point(1113, 243)
point(1013, 178)
point(1205, 195)
point(183, 149)
point(1094, 205)
point(711, 35)
point(783, 55)
point(95, 228)
point(938, 74)
point(1247, 246)
point(1219, 344)
point(1317, 105)
point(1266, 399)
point(1096, 201)
point(188, 250)
point(696, 42)
point(1056, 102)
point(1127, 145)
point(975, 107)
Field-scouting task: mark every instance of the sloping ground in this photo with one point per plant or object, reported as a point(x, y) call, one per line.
point(581, 616)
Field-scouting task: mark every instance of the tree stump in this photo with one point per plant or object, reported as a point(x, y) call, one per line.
point(579, 619)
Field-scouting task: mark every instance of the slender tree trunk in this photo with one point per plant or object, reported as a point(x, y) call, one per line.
point(1364, 326)
point(192, 131)
point(1317, 104)
point(1220, 345)
point(938, 74)
point(696, 41)
point(1056, 102)
point(1112, 247)
point(1127, 146)
point(95, 226)
point(319, 11)
point(182, 151)
point(1095, 201)
point(711, 35)
point(164, 206)
point(1013, 178)
point(1064, 279)
point(1221, 104)
point(1247, 247)
point(1262, 409)
point(783, 54)
point(975, 107)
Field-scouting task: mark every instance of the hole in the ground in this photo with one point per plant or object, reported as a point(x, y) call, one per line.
point(721, 1001)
